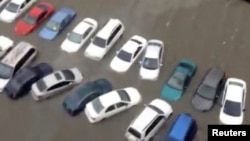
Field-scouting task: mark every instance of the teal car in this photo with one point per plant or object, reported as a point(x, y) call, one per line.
point(179, 80)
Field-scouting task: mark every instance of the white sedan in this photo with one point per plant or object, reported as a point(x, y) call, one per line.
point(14, 9)
point(152, 60)
point(233, 102)
point(3, 2)
point(127, 55)
point(112, 103)
point(5, 45)
point(80, 35)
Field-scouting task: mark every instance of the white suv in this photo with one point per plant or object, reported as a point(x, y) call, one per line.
point(149, 121)
point(233, 102)
point(105, 39)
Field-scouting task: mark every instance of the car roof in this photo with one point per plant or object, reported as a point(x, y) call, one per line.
point(144, 119)
point(130, 46)
point(181, 127)
point(108, 28)
point(17, 53)
point(110, 98)
point(53, 78)
point(152, 51)
point(234, 93)
point(213, 77)
point(81, 27)
point(59, 16)
point(35, 11)
point(18, 1)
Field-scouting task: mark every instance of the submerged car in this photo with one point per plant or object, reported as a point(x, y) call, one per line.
point(128, 54)
point(31, 20)
point(209, 90)
point(152, 60)
point(21, 83)
point(57, 23)
point(15, 8)
point(233, 102)
point(179, 80)
point(6, 44)
point(79, 97)
point(112, 103)
point(104, 40)
point(54, 83)
point(79, 35)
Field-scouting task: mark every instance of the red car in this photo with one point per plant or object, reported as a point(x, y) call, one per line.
point(34, 18)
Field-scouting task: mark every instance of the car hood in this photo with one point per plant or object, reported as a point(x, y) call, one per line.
point(94, 51)
point(201, 104)
point(149, 74)
point(171, 94)
point(119, 65)
point(48, 34)
point(23, 28)
point(69, 46)
point(70, 104)
point(230, 120)
point(3, 83)
point(90, 111)
point(7, 16)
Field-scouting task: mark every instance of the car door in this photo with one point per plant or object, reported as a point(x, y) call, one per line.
point(41, 17)
point(121, 106)
point(113, 38)
point(244, 100)
point(87, 34)
point(154, 127)
point(57, 87)
point(110, 111)
point(161, 56)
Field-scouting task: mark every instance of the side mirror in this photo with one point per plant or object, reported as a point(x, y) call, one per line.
point(92, 39)
point(67, 34)
point(140, 62)
point(117, 52)
point(161, 65)
point(145, 105)
point(244, 109)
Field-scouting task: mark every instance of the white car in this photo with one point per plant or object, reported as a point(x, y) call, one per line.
point(3, 2)
point(233, 102)
point(149, 121)
point(5, 45)
point(112, 103)
point(152, 60)
point(104, 39)
point(127, 55)
point(14, 9)
point(80, 35)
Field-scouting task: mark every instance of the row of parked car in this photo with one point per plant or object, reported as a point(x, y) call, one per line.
point(100, 44)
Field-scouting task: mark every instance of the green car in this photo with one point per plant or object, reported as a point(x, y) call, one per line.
point(179, 80)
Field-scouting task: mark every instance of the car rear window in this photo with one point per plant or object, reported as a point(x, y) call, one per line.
point(134, 133)
point(235, 83)
point(68, 74)
point(232, 108)
point(124, 95)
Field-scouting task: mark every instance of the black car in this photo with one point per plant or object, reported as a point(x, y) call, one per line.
point(21, 83)
point(209, 90)
point(79, 97)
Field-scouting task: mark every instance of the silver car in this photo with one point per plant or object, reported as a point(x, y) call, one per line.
point(55, 82)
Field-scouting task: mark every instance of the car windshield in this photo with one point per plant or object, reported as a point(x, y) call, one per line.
point(207, 92)
point(150, 63)
point(232, 108)
point(41, 85)
point(153, 44)
point(99, 42)
point(97, 105)
point(52, 25)
point(134, 133)
point(12, 7)
point(125, 56)
point(5, 71)
point(177, 81)
point(29, 19)
point(75, 37)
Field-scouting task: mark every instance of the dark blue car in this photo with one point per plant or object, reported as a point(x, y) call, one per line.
point(57, 23)
point(21, 83)
point(79, 97)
